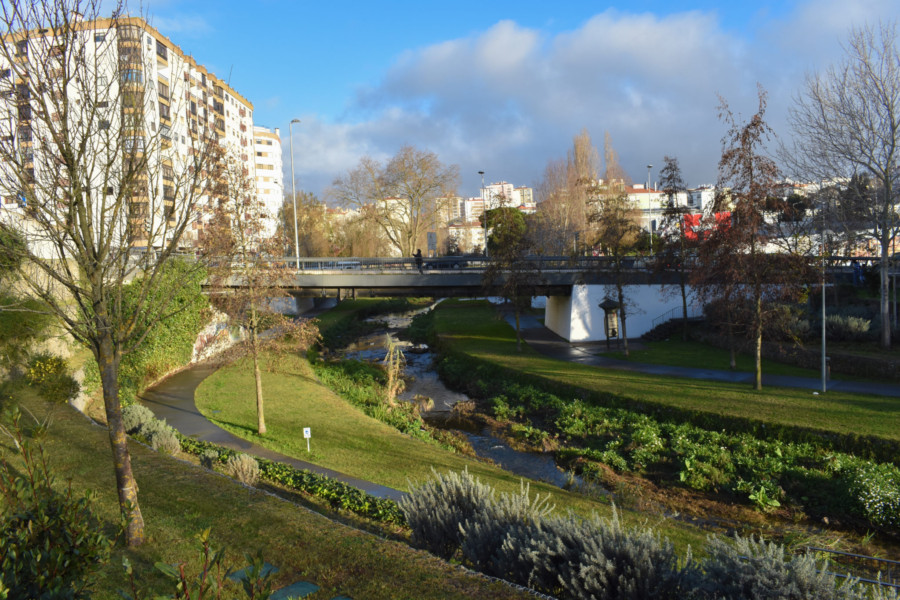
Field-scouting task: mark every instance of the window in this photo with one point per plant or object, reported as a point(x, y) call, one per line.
point(104, 124)
point(5, 73)
point(132, 76)
point(164, 111)
point(22, 48)
point(99, 37)
point(161, 50)
point(163, 89)
point(103, 104)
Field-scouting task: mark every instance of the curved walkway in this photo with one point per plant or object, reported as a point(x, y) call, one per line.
point(549, 344)
point(172, 399)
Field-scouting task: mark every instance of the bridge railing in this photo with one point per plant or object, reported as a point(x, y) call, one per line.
point(393, 264)
point(479, 263)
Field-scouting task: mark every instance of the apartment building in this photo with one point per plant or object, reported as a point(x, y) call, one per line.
point(269, 183)
point(138, 97)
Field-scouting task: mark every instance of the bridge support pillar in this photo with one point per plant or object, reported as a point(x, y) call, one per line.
point(579, 318)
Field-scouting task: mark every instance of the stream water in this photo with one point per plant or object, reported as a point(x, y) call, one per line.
point(423, 381)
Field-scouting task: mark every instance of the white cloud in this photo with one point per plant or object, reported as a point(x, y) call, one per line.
point(510, 98)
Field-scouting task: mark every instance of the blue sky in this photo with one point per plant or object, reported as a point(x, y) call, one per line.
point(503, 86)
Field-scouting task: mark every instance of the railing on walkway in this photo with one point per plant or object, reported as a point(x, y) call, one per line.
point(869, 569)
point(694, 311)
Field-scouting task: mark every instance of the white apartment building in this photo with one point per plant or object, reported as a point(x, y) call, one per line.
point(269, 183)
point(144, 88)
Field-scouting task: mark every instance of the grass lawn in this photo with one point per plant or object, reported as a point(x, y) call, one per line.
point(348, 441)
point(179, 500)
point(694, 354)
point(474, 329)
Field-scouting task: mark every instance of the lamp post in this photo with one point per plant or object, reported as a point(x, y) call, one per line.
point(648, 206)
point(294, 194)
point(824, 357)
point(483, 213)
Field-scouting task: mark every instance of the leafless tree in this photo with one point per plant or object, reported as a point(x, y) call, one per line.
point(846, 122)
point(735, 265)
point(242, 283)
point(614, 173)
point(618, 230)
point(565, 192)
point(86, 154)
point(315, 235)
point(405, 195)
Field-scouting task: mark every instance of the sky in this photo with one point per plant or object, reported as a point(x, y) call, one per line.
point(503, 86)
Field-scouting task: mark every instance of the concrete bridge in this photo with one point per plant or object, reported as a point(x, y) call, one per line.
point(573, 287)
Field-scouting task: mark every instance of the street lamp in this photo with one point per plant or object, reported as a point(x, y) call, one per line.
point(294, 194)
point(825, 233)
point(483, 213)
point(648, 206)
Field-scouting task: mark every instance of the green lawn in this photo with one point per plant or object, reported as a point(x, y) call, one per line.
point(694, 354)
point(348, 441)
point(473, 329)
point(178, 500)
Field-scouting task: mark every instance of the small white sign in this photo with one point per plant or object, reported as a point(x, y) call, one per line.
point(307, 432)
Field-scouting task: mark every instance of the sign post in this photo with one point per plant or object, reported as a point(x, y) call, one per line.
point(307, 433)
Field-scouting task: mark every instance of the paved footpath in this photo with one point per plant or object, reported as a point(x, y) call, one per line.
point(548, 343)
point(173, 400)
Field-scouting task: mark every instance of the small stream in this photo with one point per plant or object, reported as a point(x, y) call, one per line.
point(423, 381)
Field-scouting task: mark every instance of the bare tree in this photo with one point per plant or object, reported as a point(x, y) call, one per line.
point(86, 152)
point(614, 173)
point(735, 263)
point(406, 195)
point(846, 122)
point(245, 286)
point(618, 231)
point(315, 235)
point(565, 192)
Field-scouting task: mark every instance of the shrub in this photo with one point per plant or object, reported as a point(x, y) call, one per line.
point(753, 568)
point(134, 416)
point(167, 442)
point(436, 510)
point(876, 489)
point(244, 468)
point(51, 542)
point(846, 328)
point(209, 458)
point(604, 560)
point(152, 429)
point(47, 373)
point(484, 533)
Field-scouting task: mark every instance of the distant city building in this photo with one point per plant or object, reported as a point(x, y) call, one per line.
point(269, 185)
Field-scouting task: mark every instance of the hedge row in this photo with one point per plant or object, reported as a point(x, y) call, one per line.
point(483, 379)
point(338, 494)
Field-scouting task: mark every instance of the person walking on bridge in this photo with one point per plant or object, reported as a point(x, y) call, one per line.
point(418, 256)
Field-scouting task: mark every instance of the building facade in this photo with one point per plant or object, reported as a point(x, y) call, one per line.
point(133, 98)
point(269, 183)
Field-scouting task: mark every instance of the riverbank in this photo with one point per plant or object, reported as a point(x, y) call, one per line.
point(630, 429)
